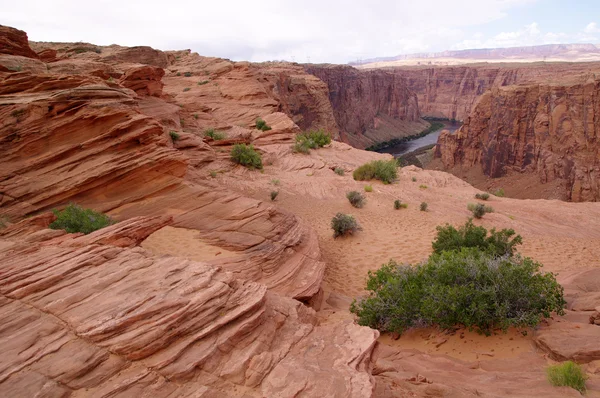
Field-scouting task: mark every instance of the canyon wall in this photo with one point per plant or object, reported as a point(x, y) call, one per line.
point(370, 106)
point(551, 131)
point(451, 91)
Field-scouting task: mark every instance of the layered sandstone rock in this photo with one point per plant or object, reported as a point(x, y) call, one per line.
point(549, 130)
point(370, 106)
point(15, 42)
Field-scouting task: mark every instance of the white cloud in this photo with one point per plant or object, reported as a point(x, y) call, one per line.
point(324, 30)
point(592, 28)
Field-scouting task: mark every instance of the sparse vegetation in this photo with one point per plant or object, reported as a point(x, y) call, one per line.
point(499, 192)
point(501, 243)
point(414, 179)
point(311, 140)
point(18, 113)
point(567, 374)
point(382, 170)
point(339, 171)
point(275, 181)
point(301, 147)
point(75, 218)
point(482, 196)
point(215, 135)
point(246, 156)
point(344, 224)
point(399, 205)
point(195, 115)
point(203, 82)
point(186, 89)
point(423, 206)
point(178, 73)
point(356, 199)
point(187, 74)
point(368, 188)
point(174, 136)
point(262, 125)
point(213, 174)
point(479, 209)
point(423, 186)
point(274, 195)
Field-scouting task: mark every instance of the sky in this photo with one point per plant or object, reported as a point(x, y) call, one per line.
point(311, 30)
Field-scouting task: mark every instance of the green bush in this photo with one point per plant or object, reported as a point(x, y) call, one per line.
point(499, 243)
point(397, 204)
point(344, 224)
point(567, 374)
point(356, 199)
point(482, 196)
point(339, 171)
point(262, 125)
point(174, 136)
point(203, 82)
point(459, 288)
point(423, 186)
point(275, 181)
point(187, 74)
point(301, 147)
point(213, 174)
point(311, 140)
point(274, 195)
point(368, 188)
point(246, 156)
point(377, 169)
point(414, 179)
point(186, 89)
point(423, 206)
point(499, 192)
point(479, 209)
point(75, 218)
point(215, 135)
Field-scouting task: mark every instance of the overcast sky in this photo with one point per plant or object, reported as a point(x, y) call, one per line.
point(310, 30)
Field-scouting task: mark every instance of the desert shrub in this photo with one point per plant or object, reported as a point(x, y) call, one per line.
point(423, 206)
point(423, 186)
point(356, 199)
point(344, 224)
point(414, 179)
point(368, 188)
point(339, 171)
point(75, 218)
point(262, 125)
point(178, 73)
point(479, 209)
point(378, 169)
point(497, 243)
point(567, 374)
point(397, 204)
point(246, 156)
point(215, 135)
point(186, 89)
point(195, 115)
point(187, 74)
point(275, 181)
point(17, 113)
point(317, 138)
point(174, 136)
point(499, 192)
point(203, 82)
point(301, 147)
point(482, 196)
point(274, 195)
point(213, 174)
point(459, 288)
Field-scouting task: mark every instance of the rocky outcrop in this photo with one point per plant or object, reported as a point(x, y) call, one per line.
point(97, 316)
point(15, 42)
point(135, 55)
point(551, 131)
point(144, 80)
point(369, 106)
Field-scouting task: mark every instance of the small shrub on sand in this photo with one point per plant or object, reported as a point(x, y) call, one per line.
point(174, 136)
point(482, 196)
point(356, 199)
point(499, 192)
point(344, 224)
point(423, 186)
point(399, 205)
point(203, 82)
point(215, 135)
point(414, 179)
point(275, 181)
point(368, 188)
point(479, 209)
point(311, 140)
point(213, 174)
point(567, 374)
point(187, 74)
point(382, 170)
point(274, 195)
point(423, 206)
point(246, 156)
point(186, 89)
point(262, 125)
point(301, 147)
point(339, 171)
point(75, 218)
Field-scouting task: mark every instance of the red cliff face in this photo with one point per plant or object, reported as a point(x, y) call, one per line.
point(451, 91)
point(548, 130)
point(369, 106)
point(14, 42)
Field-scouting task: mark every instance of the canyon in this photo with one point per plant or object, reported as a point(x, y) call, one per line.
point(207, 288)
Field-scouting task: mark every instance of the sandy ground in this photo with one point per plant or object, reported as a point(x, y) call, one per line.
point(562, 236)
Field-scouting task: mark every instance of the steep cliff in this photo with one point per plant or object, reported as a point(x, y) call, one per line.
point(370, 106)
point(451, 91)
point(552, 131)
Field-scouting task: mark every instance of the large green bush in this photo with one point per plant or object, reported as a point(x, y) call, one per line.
point(499, 243)
point(75, 218)
point(246, 156)
point(344, 224)
point(459, 288)
point(377, 169)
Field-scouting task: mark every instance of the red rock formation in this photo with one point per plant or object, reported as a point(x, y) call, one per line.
point(551, 131)
point(369, 106)
point(144, 80)
point(15, 42)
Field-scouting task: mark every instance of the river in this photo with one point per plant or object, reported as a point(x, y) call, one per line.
point(429, 139)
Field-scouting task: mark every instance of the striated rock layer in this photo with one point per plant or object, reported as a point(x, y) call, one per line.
point(551, 131)
point(370, 106)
